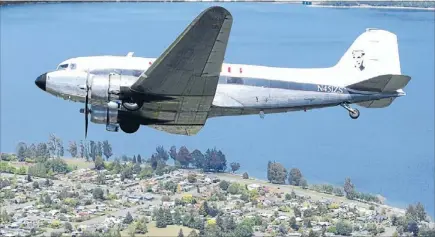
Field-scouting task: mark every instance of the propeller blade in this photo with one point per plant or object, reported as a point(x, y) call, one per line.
point(86, 106)
point(86, 115)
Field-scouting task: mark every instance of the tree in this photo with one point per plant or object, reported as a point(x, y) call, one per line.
point(35, 185)
point(426, 232)
point(343, 228)
point(349, 189)
point(308, 213)
point(21, 151)
point(98, 193)
point(283, 229)
point(139, 159)
point(223, 184)
point(101, 178)
point(128, 219)
point(234, 166)
point(293, 224)
point(312, 234)
point(31, 151)
point(184, 157)
point(231, 224)
point(337, 191)
point(92, 150)
point(162, 154)
point(413, 227)
point(243, 230)
point(59, 145)
point(168, 217)
point(177, 217)
point(82, 149)
point(278, 173)
point(180, 233)
point(203, 209)
point(191, 178)
point(198, 159)
point(420, 212)
point(42, 152)
point(269, 166)
point(52, 144)
point(68, 227)
point(99, 149)
point(245, 175)
point(215, 160)
point(303, 183)
point(193, 233)
point(297, 212)
point(131, 230)
point(173, 152)
point(160, 218)
point(29, 178)
point(295, 177)
point(134, 159)
point(72, 148)
point(99, 163)
point(136, 168)
point(107, 149)
point(141, 226)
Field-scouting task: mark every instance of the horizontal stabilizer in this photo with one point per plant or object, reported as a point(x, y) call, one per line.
point(382, 103)
point(383, 83)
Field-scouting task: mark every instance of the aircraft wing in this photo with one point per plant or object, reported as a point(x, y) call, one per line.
point(187, 73)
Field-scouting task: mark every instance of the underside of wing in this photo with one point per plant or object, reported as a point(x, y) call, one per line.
point(186, 74)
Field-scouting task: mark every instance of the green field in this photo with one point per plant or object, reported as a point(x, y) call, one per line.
point(170, 230)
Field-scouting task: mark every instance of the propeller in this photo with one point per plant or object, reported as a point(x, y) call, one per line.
point(86, 112)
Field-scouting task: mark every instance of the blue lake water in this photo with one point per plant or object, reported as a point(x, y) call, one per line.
point(388, 151)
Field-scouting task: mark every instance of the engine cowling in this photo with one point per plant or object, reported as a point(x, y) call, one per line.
point(105, 88)
point(104, 115)
point(110, 88)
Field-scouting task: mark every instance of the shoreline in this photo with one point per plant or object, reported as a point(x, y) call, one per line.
point(376, 7)
point(307, 191)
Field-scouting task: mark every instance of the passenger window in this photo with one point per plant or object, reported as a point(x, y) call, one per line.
point(235, 80)
point(73, 66)
point(278, 84)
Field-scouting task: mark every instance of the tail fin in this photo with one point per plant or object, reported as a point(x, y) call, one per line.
point(373, 53)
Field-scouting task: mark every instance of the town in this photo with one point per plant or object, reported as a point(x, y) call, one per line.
point(45, 194)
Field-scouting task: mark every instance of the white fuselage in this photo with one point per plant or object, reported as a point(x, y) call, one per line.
point(242, 89)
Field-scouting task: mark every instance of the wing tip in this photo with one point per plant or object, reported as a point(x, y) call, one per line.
point(216, 11)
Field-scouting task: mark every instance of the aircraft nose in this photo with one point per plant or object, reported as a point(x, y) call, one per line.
point(41, 81)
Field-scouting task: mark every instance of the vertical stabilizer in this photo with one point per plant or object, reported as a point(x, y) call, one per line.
point(373, 53)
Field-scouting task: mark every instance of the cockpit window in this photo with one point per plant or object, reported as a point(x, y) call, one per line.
point(73, 66)
point(62, 66)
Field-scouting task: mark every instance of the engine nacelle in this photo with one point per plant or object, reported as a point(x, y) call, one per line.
point(106, 89)
point(102, 115)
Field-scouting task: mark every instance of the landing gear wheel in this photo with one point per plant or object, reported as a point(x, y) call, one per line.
point(131, 106)
point(354, 114)
point(129, 127)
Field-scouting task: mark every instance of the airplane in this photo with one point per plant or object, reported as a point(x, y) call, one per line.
point(189, 83)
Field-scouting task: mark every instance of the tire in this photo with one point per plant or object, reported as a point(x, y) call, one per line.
point(131, 106)
point(355, 114)
point(129, 127)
